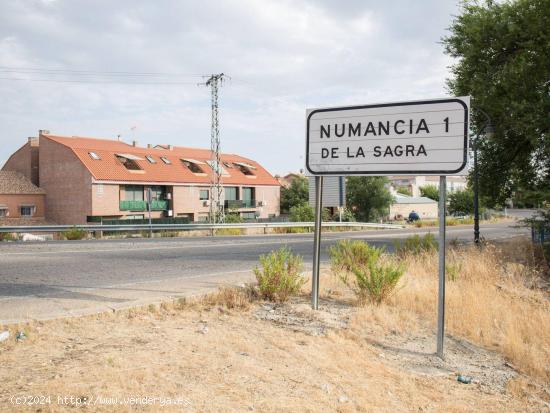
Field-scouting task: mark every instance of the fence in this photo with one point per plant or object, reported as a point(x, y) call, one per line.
point(190, 227)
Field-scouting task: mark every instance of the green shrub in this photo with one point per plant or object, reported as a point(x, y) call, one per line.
point(347, 216)
point(279, 277)
point(8, 236)
point(376, 281)
point(233, 218)
point(416, 245)
point(346, 254)
point(306, 213)
point(75, 234)
point(363, 268)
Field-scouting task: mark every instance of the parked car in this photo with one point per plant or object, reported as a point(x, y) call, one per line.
point(413, 216)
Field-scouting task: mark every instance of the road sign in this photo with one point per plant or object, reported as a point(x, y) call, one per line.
point(427, 137)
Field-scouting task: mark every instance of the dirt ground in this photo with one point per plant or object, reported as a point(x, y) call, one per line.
point(265, 358)
point(228, 352)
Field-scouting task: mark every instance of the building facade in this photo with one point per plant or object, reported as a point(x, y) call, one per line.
point(21, 202)
point(89, 180)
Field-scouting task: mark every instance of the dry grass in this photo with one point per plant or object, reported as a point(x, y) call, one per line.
point(490, 302)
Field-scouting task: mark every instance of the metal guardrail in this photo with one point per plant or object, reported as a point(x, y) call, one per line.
point(191, 227)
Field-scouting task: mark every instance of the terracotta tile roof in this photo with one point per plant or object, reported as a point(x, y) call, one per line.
point(14, 183)
point(109, 168)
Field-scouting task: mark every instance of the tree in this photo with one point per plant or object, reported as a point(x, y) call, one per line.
point(368, 197)
point(461, 202)
point(306, 213)
point(503, 63)
point(296, 194)
point(430, 191)
point(404, 190)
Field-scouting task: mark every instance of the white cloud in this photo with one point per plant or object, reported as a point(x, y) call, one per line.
point(282, 57)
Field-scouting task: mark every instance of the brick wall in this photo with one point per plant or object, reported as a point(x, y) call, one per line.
point(14, 202)
point(67, 182)
point(24, 161)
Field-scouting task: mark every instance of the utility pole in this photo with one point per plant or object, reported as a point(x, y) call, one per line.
point(216, 203)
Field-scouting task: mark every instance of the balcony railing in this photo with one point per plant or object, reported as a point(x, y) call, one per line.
point(239, 204)
point(133, 205)
point(156, 205)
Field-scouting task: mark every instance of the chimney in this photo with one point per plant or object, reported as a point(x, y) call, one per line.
point(43, 132)
point(170, 147)
point(134, 143)
point(149, 146)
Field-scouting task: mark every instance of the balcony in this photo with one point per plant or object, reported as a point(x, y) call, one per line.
point(133, 205)
point(240, 204)
point(156, 205)
point(159, 205)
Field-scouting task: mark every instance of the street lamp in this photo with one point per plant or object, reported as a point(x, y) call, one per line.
point(489, 131)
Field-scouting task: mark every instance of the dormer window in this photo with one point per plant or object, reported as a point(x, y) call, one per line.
point(245, 168)
point(94, 156)
point(165, 160)
point(193, 165)
point(129, 161)
point(150, 159)
point(213, 164)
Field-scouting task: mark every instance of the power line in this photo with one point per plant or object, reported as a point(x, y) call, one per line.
point(97, 81)
point(11, 69)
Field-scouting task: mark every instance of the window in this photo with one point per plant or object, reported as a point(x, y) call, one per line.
point(231, 193)
point(158, 193)
point(129, 164)
point(133, 193)
point(94, 156)
point(150, 159)
point(27, 210)
point(193, 167)
point(165, 160)
point(4, 212)
point(245, 168)
point(227, 165)
point(204, 194)
point(248, 194)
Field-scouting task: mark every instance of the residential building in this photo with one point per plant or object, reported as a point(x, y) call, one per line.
point(90, 179)
point(414, 183)
point(21, 202)
point(403, 205)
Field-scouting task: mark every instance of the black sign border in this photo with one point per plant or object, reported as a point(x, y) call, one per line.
point(399, 172)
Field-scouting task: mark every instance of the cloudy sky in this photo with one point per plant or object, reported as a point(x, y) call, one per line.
point(132, 67)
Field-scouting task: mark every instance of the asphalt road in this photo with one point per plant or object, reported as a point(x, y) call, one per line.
point(46, 280)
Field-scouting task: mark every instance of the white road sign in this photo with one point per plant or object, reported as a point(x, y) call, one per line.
point(422, 138)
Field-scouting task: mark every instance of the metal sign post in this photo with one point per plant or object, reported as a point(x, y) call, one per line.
point(441, 293)
point(317, 242)
point(149, 199)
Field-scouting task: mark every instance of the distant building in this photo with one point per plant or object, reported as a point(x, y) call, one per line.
point(89, 179)
point(403, 205)
point(286, 181)
point(21, 202)
point(414, 183)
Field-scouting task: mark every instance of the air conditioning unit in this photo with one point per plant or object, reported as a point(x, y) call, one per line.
point(168, 196)
point(206, 203)
point(262, 203)
point(169, 213)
